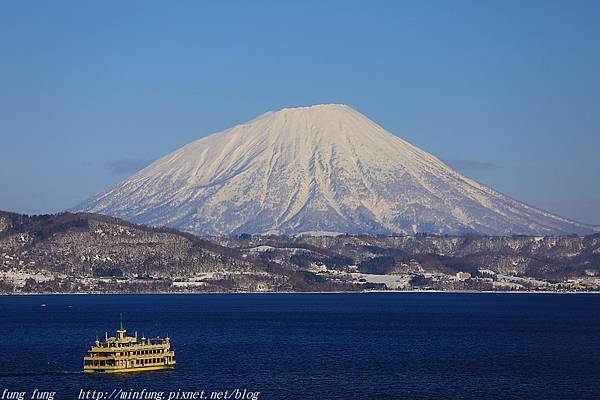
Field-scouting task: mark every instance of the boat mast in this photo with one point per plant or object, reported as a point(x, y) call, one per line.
point(121, 331)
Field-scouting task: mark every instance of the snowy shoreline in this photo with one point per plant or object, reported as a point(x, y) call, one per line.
point(517, 292)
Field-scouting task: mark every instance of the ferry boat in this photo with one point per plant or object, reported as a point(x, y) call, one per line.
point(123, 353)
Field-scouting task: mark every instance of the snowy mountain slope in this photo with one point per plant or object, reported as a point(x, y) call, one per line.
point(319, 168)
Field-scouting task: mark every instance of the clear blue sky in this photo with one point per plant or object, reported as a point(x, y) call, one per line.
point(506, 91)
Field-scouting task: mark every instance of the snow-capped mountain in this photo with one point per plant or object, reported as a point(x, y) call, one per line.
point(324, 168)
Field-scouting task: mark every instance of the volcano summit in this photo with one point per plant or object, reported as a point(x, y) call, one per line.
point(324, 168)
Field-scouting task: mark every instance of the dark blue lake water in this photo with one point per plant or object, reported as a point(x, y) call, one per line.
point(318, 346)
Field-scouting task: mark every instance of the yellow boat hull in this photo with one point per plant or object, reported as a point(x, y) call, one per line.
point(135, 369)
